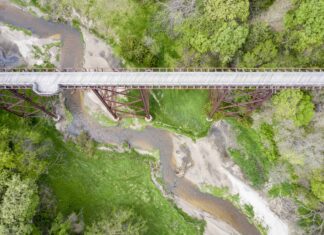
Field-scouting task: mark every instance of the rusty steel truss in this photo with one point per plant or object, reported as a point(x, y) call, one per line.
point(237, 102)
point(123, 102)
point(24, 103)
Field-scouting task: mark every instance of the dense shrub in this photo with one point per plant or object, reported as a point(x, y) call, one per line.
point(134, 50)
point(260, 49)
point(294, 105)
point(257, 151)
point(227, 10)
point(259, 5)
point(119, 222)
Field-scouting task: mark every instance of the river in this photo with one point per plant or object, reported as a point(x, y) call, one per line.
point(72, 57)
point(72, 46)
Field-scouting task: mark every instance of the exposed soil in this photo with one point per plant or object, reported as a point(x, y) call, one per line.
point(274, 16)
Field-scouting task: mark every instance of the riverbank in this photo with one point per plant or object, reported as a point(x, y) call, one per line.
point(206, 164)
point(31, 50)
point(72, 46)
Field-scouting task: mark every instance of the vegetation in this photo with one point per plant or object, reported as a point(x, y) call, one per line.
point(266, 150)
point(177, 110)
point(93, 193)
point(13, 27)
point(246, 209)
point(294, 105)
point(305, 25)
point(121, 222)
point(257, 6)
point(18, 204)
point(43, 53)
point(228, 33)
point(257, 152)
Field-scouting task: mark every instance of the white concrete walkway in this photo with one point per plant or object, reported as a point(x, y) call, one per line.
point(49, 83)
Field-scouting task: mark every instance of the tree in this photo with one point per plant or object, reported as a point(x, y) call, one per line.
point(260, 47)
point(259, 5)
point(258, 33)
point(227, 10)
point(134, 50)
point(123, 222)
point(224, 39)
point(18, 206)
point(227, 40)
point(262, 54)
point(72, 225)
point(305, 25)
point(20, 152)
point(294, 105)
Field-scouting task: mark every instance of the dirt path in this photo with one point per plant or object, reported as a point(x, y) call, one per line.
point(274, 16)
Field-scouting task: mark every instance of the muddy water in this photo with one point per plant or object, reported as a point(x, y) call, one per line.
point(72, 56)
point(72, 48)
point(153, 138)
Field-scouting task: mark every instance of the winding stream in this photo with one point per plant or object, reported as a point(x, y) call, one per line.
point(153, 138)
point(72, 46)
point(72, 56)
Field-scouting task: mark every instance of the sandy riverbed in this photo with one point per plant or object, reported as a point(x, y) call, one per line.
point(208, 165)
point(25, 45)
point(97, 54)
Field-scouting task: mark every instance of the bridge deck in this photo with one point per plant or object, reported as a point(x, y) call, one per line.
point(49, 83)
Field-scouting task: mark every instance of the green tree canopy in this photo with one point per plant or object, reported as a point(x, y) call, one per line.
point(227, 10)
point(18, 206)
point(21, 152)
point(228, 39)
point(260, 48)
point(305, 28)
point(216, 33)
point(294, 105)
point(262, 54)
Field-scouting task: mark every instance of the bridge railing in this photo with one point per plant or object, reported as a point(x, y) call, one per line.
point(28, 69)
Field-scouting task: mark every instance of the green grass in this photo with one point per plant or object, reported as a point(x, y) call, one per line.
point(43, 53)
point(16, 28)
point(246, 209)
point(184, 111)
point(108, 180)
point(257, 151)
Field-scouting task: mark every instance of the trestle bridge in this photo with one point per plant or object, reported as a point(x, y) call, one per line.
point(126, 92)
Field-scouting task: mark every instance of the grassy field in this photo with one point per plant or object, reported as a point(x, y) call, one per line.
point(185, 111)
point(108, 180)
